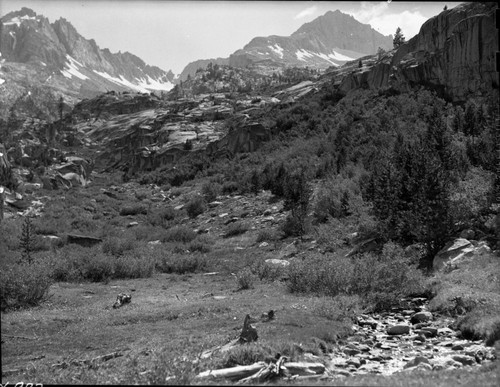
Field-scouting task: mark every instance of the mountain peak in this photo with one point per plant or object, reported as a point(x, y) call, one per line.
point(16, 17)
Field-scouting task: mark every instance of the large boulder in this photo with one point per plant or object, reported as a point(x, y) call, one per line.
point(83, 240)
point(454, 250)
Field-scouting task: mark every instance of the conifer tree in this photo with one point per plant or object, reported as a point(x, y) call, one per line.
point(399, 38)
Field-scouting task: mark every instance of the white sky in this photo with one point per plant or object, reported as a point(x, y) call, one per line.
point(170, 34)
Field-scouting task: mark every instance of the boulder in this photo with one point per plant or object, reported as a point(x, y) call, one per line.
point(277, 262)
point(464, 359)
point(454, 250)
point(416, 361)
point(83, 240)
point(53, 240)
point(400, 329)
point(432, 331)
point(421, 317)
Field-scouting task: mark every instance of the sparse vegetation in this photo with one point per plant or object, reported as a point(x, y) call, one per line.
point(178, 234)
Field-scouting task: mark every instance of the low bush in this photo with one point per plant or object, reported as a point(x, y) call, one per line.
point(268, 271)
point(295, 225)
point(230, 187)
point(178, 234)
point(161, 216)
point(339, 308)
point(210, 191)
point(236, 228)
point(202, 244)
point(23, 285)
point(267, 235)
point(134, 264)
point(195, 207)
point(141, 195)
point(134, 209)
point(96, 268)
point(118, 245)
point(181, 264)
point(245, 279)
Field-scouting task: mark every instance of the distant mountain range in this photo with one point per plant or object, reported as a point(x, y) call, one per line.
point(329, 40)
point(36, 53)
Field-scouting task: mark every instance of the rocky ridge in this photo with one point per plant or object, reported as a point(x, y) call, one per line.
point(454, 54)
point(54, 56)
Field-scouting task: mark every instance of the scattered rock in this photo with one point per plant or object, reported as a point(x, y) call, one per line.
point(421, 317)
point(416, 361)
point(431, 330)
point(400, 329)
point(464, 359)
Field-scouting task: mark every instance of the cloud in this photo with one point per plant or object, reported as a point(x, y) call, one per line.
point(384, 20)
point(306, 12)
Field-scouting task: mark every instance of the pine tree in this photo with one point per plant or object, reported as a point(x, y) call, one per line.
point(399, 38)
point(27, 240)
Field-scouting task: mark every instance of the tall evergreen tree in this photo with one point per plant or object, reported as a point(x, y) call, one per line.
point(399, 38)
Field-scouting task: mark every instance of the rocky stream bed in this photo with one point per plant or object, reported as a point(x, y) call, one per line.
point(403, 340)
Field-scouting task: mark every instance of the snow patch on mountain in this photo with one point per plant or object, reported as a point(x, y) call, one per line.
point(338, 56)
point(153, 84)
point(302, 54)
point(71, 69)
point(18, 20)
point(143, 86)
point(277, 49)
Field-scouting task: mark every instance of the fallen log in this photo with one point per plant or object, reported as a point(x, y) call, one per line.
point(302, 368)
point(260, 371)
point(238, 372)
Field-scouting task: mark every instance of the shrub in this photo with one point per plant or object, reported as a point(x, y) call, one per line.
point(269, 272)
point(178, 234)
point(161, 216)
point(133, 264)
point(23, 285)
point(118, 245)
point(141, 195)
point(47, 226)
point(236, 228)
point(245, 279)
point(230, 187)
point(195, 207)
point(96, 268)
point(181, 264)
point(267, 235)
point(339, 308)
point(210, 191)
point(200, 246)
point(134, 209)
point(380, 280)
point(246, 355)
